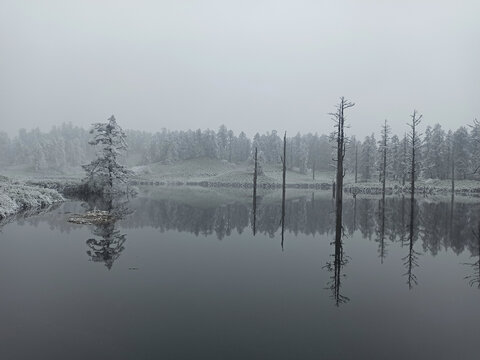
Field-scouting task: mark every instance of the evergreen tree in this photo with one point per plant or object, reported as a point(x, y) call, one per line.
point(369, 152)
point(105, 172)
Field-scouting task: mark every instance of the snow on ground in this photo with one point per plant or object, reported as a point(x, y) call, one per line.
point(218, 172)
point(15, 197)
point(203, 169)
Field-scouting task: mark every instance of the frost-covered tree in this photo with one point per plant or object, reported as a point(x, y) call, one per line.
point(435, 153)
point(461, 152)
point(241, 148)
point(368, 158)
point(4, 148)
point(396, 152)
point(222, 141)
point(475, 147)
point(105, 172)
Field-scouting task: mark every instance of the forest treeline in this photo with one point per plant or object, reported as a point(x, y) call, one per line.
point(67, 146)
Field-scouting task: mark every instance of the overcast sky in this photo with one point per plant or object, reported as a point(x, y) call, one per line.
point(252, 65)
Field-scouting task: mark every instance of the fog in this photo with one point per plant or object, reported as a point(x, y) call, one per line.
point(251, 65)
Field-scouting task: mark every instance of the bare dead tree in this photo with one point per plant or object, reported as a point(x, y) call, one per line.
point(384, 150)
point(341, 140)
point(356, 161)
point(452, 160)
point(383, 177)
point(284, 173)
point(415, 141)
point(339, 260)
point(255, 193)
point(404, 160)
point(414, 137)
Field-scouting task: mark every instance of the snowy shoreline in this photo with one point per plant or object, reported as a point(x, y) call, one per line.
point(16, 197)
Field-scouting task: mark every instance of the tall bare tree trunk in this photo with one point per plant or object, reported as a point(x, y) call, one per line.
point(415, 142)
point(255, 194)
point(384, 165)
point(453, 170)
point(404, 160)
point(356, 161)
point(284, 173)
point(339, 118)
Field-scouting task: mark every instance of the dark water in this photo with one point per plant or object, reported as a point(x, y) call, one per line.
point(177, 281)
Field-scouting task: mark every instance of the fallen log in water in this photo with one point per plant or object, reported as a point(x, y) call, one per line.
point(95, 217)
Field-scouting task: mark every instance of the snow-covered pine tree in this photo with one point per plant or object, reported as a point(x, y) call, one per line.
point(368, 157)
point(104, 173)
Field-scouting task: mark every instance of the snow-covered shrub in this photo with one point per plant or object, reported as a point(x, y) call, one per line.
point(16, 197)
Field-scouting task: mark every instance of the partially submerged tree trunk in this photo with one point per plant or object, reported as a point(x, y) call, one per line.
point(385, 133)
point(255, 194)
point(356, 161)
point(415, 143)
point(339, 260)
point(410, 261)
point(404, 165)
point(339, 118)
point(453, 170)
point(284, 173)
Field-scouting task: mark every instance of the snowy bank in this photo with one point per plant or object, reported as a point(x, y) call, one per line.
point(16, 197)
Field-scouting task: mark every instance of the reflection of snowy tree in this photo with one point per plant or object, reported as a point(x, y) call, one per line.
point(109, 247)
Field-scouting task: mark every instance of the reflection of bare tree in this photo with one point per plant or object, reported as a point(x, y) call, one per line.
point(474, 277)
point(410, 261)
point(381, 230)
point(309, 216)
point(283, 221)
point(354, 211)
point(339, 260)
point(254, 220)
point(402, 227)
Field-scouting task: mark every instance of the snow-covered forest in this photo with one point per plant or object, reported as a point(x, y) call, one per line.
point(67, 146)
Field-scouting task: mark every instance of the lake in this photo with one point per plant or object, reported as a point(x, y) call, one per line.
point(182, 276)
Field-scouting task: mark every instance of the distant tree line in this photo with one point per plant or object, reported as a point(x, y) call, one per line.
point(67, 146)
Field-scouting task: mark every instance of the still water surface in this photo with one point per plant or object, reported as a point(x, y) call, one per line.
point(189, 280)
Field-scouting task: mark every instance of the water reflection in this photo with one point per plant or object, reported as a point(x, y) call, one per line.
point(474, 277)
point(108, 243)
point(437, 225)
point(109, 247)
point(381, 231)
point(410, 261)
point(335, 266)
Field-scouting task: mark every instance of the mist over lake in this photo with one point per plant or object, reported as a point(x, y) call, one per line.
point(239, 180)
